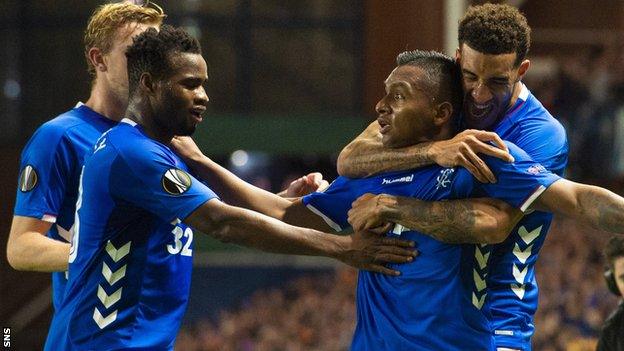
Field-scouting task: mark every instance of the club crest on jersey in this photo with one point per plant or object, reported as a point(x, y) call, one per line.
point(443, 179)
point(176, 181)
point(536, 169)
point(28, 179)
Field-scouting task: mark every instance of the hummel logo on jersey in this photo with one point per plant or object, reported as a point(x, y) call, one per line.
point(176, 181)
point(443, 179)
point(28, 179)
point(405, 179)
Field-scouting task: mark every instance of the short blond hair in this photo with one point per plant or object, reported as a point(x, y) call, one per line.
point(106, 19)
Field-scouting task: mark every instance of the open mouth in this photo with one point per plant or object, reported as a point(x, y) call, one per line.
point(479, 110)
point(384, 126)
point(197, 112)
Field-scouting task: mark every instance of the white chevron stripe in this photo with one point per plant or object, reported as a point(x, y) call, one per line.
point(479, 282)
point(529, 236)
point(111, 277)
point(117, 254)
point(518, 289)
point(102, 321)
point(108, 300)
point(478, 303)
point(521, 255)
point(519, 275)
point(398, 229)
point(481, 258)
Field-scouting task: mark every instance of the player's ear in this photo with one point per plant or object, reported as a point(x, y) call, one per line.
point(96, 57)
point(147, 83)
point(443, 113)
point(523, 68)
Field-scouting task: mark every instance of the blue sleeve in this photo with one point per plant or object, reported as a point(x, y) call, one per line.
point(333, 204)
point(154, 180)
point(520, 182)
point(545, 141)
point(46, 166)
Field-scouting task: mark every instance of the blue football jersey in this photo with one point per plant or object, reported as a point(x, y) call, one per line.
point(49, 170)
point(131, 257)
point(513, 291)
point(429, 306)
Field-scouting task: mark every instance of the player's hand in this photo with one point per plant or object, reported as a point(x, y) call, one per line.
point(370, 251)
point(305, 185)
point(186, 148)
point(462, 151)
point(368, 212)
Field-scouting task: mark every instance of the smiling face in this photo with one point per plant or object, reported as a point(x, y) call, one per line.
point(407, 110)
point(180, 97)
point(490, 84)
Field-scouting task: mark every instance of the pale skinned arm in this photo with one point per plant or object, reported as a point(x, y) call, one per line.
point(244, 227)
point(481, 220)
point(596, 206)
point(304, 185)
point(366, 155)
point(29, 249)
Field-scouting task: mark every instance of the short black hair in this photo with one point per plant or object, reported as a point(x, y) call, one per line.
point(614, 249)
point(495, 29)
point(443, 75)
point(150, 52)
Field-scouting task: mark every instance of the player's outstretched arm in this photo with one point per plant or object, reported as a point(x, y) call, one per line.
point(367, 251)
point(29, 249)
point(237, 192)
point(596, 206)
point(366, 155)
point(481, 220)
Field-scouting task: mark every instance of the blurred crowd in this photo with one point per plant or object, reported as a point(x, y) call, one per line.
point(585, 92)
point(317, 313)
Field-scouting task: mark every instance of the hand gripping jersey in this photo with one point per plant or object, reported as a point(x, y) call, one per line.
point(429, 306)
point(131, 257)
point(510, 265)
point(49, 170)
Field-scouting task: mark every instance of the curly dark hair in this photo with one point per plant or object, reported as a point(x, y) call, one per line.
point(443, 75)
point(614, 249)
point(150, 52)
point(495, 29)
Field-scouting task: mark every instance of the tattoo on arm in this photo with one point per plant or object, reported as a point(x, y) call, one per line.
point(457, 221)
point(368, 158)
point(602, 209)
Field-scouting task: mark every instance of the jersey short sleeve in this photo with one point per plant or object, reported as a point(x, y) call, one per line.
point(45, 168)
point(520, 182)
point(334, 203)
point(156, 181)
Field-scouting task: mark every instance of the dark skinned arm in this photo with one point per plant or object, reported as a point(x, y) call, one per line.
point(244, 227)
point(481, 220)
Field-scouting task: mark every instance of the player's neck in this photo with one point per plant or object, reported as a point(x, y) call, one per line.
point(104, 102)
point(515, 94)
point(144, 117)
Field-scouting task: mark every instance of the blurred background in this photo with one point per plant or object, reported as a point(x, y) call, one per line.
point(291, 82)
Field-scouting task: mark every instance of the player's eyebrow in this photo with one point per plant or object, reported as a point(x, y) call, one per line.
point(496, 77)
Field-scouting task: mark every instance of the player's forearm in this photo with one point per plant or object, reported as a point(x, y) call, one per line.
point(236, 191)
point(456, 221)
point(251, 229)
point(365, 159)
point(32, 251)
point(601, 208)
point(366, 156)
